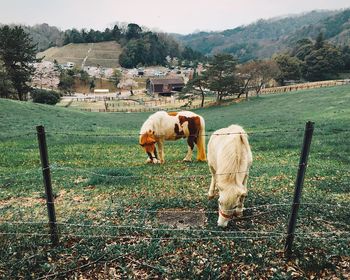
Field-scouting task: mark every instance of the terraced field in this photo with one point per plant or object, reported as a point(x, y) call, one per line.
point(105, 54)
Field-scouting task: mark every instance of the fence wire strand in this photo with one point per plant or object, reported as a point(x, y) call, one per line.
point(138, 134)
point(118, 237)
point(142, 228)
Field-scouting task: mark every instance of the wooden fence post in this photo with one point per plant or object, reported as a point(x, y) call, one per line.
point(309, 128)
point(47, 183)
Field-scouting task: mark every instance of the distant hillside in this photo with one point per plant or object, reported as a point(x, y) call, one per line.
point(335, 28)
point(265, 37)
point(105, 54)
point(43, 35)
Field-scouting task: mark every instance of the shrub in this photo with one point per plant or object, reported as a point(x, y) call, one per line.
point(45, 96)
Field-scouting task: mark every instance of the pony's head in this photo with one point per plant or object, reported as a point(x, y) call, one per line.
point(231, 204)
point(148, 143)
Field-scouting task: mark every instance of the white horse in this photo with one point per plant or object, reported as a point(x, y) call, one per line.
point(229, 160)
point(162, 126)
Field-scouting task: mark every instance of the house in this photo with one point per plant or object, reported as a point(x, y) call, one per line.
point(164, 86)
point(69, 65)
point(140, 72)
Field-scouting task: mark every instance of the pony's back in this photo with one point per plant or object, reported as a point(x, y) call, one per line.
point(229, 153)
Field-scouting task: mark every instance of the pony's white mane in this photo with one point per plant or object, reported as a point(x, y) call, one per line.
point(153, 122)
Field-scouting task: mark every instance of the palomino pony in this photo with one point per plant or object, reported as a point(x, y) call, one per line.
point(229, 159)
point(162, 126)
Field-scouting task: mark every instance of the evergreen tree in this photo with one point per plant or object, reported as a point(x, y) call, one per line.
point(133, 32)
point(221, 75)
point(18, 54)
point(319, 41)
point(346, 57)
point(302, 48)
point(197, 86)
point(289, 66)
point(116, 77)
point(323, 63)
point(6, 88)
point(116, 33)
point(66, 84)
point(92, 85)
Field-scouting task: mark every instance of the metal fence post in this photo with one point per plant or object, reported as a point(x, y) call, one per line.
point(47, 183)
point(309, 128)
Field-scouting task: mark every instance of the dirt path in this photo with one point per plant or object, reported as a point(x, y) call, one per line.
point(86, 57)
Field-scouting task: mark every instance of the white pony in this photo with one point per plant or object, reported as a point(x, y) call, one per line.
point(229, 160)
point(162, 126)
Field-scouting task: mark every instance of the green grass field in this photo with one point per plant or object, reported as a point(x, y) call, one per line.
point(111, 206)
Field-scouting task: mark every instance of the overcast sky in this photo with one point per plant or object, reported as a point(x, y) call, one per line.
point(179, 16)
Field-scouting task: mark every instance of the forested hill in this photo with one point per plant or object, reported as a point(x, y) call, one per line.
point(44, 35)
point(258, 40)
point(335, 28)
point(139, 47)
point(266, 37)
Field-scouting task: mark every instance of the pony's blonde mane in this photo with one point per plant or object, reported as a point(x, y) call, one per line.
point(233, 160)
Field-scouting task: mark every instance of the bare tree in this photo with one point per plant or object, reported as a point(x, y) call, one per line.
point(256, 74)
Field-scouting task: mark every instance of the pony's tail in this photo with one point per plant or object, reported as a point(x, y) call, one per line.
point(201, 156)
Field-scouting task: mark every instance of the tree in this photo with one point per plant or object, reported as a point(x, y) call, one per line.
point(319, 41)
point(323, 63)
point(84, 76)
point(116, 77)
point(92, 84)
point(116, 33)
point(256, 74)
point(133, 31)
point(134, 53)
point(6, 87)
point(289, 66)
point(346, 57)
point(302, 48)
point(45, 96)
point(128, 84)
point(57, 67)
point(222, 78)
point(191, 55)
point(197, 86)
point(66, 84)
point(18, 54)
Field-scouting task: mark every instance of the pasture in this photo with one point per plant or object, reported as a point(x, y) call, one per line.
point(118, 217)
point(139, 103)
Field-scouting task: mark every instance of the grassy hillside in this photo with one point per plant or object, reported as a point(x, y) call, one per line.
point(105, 54)
point(110, 204)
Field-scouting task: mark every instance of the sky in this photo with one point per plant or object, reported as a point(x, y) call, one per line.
point(179, 16)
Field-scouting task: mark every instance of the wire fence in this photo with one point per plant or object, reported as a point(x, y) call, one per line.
point(135, 134)
point(232, 235)
point(215, 234)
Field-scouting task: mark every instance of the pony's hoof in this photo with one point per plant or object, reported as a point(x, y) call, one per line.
point(187, 160)
point(210, 197)
point(149, 160)
point(155, 161)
